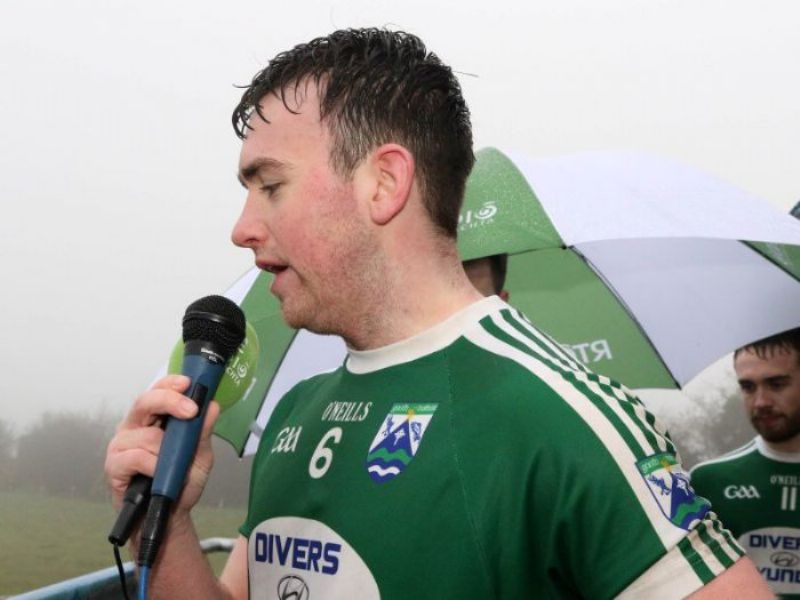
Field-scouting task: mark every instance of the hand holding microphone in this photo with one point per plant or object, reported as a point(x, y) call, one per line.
point(213, 329)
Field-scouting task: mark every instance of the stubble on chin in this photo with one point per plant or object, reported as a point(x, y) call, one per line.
point(297, 316)
point(787, 429)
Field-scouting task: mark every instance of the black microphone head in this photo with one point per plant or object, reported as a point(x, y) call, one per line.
point(217, 320)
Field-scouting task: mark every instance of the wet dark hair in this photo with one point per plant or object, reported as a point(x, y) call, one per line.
point(767, 347)
point(376, 87)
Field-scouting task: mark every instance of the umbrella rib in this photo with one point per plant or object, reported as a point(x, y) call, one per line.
point(628, 311)
point(254, 426)
point(769, 259)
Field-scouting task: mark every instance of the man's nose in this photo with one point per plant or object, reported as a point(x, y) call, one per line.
point(762, 397)
point(250, 230)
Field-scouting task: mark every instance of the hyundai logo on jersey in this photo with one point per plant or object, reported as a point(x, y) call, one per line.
point(292, 587)
point(398, 440)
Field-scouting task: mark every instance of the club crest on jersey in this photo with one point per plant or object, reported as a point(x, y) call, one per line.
point(670, 486)
point(398, 440)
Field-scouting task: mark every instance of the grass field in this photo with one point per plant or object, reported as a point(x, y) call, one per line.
point(44, 539)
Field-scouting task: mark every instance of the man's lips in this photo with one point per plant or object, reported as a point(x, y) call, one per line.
point(767, 419)
point(277, 269)
point(272, 267)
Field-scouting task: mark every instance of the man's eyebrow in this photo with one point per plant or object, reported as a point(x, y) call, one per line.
point(247, 172)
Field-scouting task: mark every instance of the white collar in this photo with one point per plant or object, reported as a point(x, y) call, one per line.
point(426, 342)
point(786, 457)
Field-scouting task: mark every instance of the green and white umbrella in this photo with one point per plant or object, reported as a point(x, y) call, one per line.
point(648, 271)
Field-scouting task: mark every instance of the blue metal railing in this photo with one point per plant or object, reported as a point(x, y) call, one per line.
point(105, 584)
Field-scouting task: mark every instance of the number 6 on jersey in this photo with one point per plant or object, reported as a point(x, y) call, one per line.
point(323, 456)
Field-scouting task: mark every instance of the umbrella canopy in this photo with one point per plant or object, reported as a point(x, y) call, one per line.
point(646, 270)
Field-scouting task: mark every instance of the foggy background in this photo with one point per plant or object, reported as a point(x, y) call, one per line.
point(118, 158)
point(118, 188)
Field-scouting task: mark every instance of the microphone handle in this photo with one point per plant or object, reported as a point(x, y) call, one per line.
point(137, 496)
point(177, 452)
point(182, 435)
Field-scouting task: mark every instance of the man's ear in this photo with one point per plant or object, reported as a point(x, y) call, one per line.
point(393, 167)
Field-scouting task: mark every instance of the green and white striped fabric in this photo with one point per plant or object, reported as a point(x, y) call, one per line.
point(528, 475)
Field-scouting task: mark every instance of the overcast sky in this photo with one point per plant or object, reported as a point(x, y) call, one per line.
point(118, 159)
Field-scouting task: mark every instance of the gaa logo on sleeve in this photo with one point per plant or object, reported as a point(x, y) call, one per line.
point(398, 439)
point(669, 485)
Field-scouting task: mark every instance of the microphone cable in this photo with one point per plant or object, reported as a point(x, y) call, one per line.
point(121, 570)
point(144, 575)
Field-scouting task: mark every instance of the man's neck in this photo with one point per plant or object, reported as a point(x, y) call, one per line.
point(417, 295)
point(411, 318)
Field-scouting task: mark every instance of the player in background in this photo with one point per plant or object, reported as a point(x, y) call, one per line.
point(756, 489)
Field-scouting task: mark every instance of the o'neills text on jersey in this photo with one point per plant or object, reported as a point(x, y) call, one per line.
point(784, 480)
point(344, 412)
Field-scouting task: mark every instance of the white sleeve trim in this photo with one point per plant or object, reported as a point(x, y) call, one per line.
point(671, 578)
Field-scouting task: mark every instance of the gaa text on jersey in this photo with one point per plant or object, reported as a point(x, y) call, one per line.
point(286, 440)
point(346, 412)
point(741, 492)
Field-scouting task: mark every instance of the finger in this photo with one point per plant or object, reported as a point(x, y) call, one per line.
point(177, 382)
point(147, 438)
point(157, 402)
point(121, 467)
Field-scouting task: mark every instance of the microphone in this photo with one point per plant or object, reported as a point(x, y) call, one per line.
point(213, 329)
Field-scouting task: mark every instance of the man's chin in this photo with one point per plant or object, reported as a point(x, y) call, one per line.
point(293, 318)
point(776, 435)
point(302, 318)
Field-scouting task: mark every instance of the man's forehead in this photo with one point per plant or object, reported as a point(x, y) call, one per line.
point(293, 99)
point(278, 134)
point(775, 358)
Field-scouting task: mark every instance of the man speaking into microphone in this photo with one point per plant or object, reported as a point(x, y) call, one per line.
point(458, 452)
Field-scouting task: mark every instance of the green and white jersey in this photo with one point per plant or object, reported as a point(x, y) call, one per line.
point(475, 460)
point(755, 492)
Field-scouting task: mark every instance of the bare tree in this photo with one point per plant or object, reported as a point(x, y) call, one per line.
point(63, 454)
point(7, 443)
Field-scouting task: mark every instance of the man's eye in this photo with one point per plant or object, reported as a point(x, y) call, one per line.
point(270, 189)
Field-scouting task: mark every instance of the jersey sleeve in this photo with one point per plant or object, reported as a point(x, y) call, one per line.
point(633, 516)
point(681, 571)
point(607, 500)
